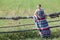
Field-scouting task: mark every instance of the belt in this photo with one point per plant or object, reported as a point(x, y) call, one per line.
point(43, 28)
point(41, 18)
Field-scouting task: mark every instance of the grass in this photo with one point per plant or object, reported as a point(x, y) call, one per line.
point(12, 8)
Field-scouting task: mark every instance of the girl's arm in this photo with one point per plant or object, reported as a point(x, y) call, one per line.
point(35, 15)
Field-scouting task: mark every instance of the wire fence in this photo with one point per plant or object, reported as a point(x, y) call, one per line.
point(24, 24)
point(54, 15)
point(17, 18)
point(27, 30)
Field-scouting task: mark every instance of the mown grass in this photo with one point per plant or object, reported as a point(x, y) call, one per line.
point(13, 8)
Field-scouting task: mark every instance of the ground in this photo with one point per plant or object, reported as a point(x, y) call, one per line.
point(13, 8)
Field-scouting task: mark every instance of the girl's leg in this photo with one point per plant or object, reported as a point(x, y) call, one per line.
point(40, 34)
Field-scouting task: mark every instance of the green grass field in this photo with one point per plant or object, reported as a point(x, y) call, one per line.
point(13, 8)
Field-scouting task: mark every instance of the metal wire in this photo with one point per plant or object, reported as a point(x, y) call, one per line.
point(26, 30)
point(16, 18)
point(24, 25)
point(27, 17)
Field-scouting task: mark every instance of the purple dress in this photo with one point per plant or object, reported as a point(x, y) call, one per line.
point(42, 24)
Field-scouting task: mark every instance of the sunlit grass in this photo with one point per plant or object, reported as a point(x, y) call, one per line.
point(13, 8)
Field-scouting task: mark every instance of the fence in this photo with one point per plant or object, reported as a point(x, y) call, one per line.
point(54, 15)
point(23, 25)
point(17, 18)
point(26, 30)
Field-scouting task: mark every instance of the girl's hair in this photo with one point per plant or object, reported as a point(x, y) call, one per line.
point(39, 5)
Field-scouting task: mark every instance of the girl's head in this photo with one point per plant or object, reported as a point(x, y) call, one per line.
point(39, 6)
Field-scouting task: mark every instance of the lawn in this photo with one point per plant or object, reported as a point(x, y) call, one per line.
point(13, 8)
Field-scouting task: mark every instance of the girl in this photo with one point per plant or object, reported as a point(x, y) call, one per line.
point(41, 22)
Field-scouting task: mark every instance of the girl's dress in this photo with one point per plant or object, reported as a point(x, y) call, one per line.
point(42, 24)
